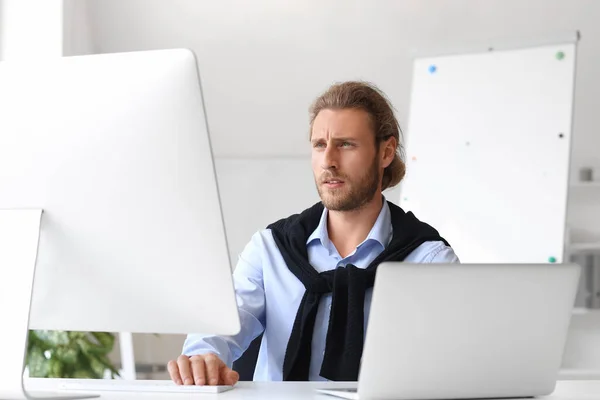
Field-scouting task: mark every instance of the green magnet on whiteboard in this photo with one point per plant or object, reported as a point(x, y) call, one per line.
point(560, 55)
point(406, 199)
point(552, 259)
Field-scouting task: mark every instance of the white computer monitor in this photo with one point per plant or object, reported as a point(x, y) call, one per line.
point(115, 151)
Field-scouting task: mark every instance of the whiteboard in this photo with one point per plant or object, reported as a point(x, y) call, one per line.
point(488, 148)
point(258, 191)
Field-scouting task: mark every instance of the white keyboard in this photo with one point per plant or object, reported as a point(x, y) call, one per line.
point(36, 394)
point(141, 386)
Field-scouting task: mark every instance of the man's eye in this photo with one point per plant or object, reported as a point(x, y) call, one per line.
point(347, 144)
point(319, 145)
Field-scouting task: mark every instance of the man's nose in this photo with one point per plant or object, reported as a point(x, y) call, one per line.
point(330, 158)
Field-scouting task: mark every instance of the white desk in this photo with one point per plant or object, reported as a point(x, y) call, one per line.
point(565, 390)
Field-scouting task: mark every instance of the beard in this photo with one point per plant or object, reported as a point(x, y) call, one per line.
point(354, 193)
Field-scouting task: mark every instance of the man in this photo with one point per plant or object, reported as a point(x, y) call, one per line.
point(306, 281)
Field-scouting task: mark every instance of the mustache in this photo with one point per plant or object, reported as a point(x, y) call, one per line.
point(327, 176)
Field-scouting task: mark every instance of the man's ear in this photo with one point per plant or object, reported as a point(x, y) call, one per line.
point(388, 152)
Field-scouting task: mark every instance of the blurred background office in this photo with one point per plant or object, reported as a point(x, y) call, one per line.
point(263, 62)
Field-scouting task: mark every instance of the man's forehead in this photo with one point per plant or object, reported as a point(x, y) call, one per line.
point(337, 134)
point(346, 130)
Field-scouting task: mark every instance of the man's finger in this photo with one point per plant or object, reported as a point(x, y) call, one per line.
point(213, 367)
point(174, 372)
point(229, 376)
point(183, 362)
point(198, 370)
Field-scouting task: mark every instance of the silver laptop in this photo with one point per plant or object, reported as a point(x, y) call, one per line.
point(450, 331)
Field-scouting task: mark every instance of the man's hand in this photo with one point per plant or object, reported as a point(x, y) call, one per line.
point(207, 369)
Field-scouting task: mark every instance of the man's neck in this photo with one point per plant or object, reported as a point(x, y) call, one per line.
point(348, 229)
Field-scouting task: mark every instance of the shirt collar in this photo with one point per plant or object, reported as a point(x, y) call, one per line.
point(381, 231)
point(320, 233)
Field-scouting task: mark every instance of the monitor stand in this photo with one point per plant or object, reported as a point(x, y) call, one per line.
point(19, 238)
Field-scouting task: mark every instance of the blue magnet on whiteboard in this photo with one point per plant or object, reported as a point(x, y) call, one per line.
point(406, 199)
point(552, 259)
point(432, 69)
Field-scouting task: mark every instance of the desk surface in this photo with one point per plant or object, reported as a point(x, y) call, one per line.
point(565, 390)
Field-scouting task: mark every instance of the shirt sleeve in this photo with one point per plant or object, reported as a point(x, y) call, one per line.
point(250, 297)
point(433, 252)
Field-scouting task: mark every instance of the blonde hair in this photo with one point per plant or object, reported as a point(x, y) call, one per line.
point(366, 96)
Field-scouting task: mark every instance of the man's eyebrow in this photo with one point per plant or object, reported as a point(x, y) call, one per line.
point(336, 139)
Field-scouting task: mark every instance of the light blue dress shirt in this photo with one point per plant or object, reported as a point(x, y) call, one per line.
point(268, 295)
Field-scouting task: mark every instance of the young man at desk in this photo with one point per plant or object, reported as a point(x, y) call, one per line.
point(306, 281)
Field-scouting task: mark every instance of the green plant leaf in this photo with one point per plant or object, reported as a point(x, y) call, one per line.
point(83, 374)
point(35, 340)
point(76, 335)
point(61, 354)
point(67, 355)
point(37, 363)
point(53, 338)
point(97, 366)
point(106, 340)
point(55, 368)
point(85, 345)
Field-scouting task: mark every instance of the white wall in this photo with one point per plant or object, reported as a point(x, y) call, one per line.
point(263, 62)
point(30, 29)
point(77, 35)
point(1, 30)
point(44, 28)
